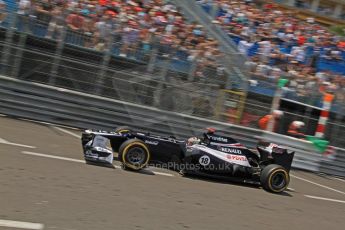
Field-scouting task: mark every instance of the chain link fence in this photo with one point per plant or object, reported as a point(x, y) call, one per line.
point(147, 73)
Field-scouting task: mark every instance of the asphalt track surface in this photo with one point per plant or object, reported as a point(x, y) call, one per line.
point(44, 184)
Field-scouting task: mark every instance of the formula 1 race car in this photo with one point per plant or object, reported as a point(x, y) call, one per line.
point(211, 155)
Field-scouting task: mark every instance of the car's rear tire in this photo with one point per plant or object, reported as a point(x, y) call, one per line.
point(134, 154)
point(274, 178)
point(123, 129)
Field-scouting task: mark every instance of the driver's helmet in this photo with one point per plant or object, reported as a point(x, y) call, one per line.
point(193, 141)
point(210, 130)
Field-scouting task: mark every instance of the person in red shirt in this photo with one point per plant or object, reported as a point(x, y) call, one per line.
point(264, 121)
point(301, 40)
point(75, 21)
point(341, 45)
point(294, 129)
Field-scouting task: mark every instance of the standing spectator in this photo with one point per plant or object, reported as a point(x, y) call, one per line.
point(75, 21)
point(24, 12)
point(264, 50)
point(24, 7)
point(275, 117)
point(75, 28)
point(244, 46)
point(103, 29)
point(3, 13)
point(130, 38)
point(57, 22)
point(43, 11)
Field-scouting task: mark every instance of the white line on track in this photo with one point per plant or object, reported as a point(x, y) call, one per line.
point(336, 178)
point(78, 136)
point(3, 141)
point(82, 161)
point(291, 189)
point(320, 185)
point(163, 174)
point(326, 199)
point(331, 177)
point(117, 167)
point(20, 224)
point(3, 115)
point(66, 131)
point(53, 157)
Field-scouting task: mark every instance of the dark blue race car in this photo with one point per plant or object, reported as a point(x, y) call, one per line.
point(210, 155)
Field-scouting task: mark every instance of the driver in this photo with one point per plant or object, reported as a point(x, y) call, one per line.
point(195, 140)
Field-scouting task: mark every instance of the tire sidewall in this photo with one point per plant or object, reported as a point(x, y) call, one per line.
point(124, 149)
point(267, 176)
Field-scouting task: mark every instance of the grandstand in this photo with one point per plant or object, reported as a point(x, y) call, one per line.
point(278, 45)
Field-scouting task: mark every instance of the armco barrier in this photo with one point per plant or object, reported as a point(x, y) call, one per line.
point(46, 103)
point(306, 157)
point(56, 105)
point(334, 163)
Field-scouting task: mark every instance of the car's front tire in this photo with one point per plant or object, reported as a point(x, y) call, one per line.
point(134, 154)
point(274, 178)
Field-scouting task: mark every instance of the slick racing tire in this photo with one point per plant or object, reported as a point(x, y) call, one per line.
point(274, 178)
point(123, 129)
point(134, 154)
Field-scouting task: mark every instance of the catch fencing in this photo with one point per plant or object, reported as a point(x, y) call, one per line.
point(148, 74)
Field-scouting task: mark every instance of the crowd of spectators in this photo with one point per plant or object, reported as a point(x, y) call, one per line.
point(276, 43)
point(279, 44)
point(131, 24)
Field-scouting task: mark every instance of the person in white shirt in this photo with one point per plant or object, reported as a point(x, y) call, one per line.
point(244, 46)
point(24, 7)
point(24, 14)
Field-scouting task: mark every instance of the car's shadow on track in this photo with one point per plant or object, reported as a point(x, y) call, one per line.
point(210, 180)
point(233, 183)
point(146, 172)
point(100, 164)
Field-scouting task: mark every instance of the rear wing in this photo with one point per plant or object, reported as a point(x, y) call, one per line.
point(276, 154)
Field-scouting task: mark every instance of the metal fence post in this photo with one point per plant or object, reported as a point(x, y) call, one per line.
point(152, 61)
point(20, 48)
point(228, 83)
point(105, 62)
point(165, 69)
point(193, 68)
point(337, 134)
point(214, 10)
point(8, 42)
point(57, 56)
